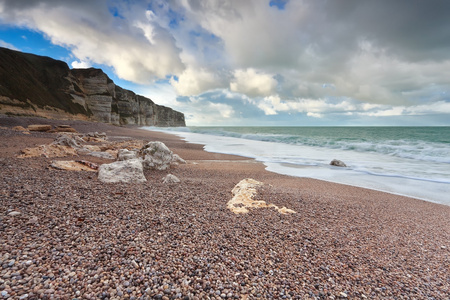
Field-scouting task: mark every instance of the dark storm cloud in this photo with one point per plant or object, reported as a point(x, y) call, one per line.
point(412, 28)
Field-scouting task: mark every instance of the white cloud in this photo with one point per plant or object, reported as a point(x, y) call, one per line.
point(162, 93)
point(440, 107)
point(199, 111)
point(314, 115)
point(268, 109)
point(253, 31)
point(273, 105)
point(137, 52)
point(436, 108)
point(7, 45)
point(81, 64)
point(387, 112)
point(253, 83)
point(373, 76)
point(195, 81)
point(224, 110)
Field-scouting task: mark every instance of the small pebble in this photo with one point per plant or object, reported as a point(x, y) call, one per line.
point(342, 294)
point(135, 264)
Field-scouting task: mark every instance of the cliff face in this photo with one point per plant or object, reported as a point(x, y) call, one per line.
point(41, 86)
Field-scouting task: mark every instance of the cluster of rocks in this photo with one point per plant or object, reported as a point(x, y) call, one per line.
point(72, 145)
point(131, 164)
point(132, 157)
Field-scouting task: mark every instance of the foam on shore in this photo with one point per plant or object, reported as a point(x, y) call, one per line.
point(313, 162)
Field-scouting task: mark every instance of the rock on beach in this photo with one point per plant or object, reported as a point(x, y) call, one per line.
point(338, 163)
point(39, 127)
point(170, 179)
point(157, 156)
point(14, 213)
point(129, 171)
point(125, 154)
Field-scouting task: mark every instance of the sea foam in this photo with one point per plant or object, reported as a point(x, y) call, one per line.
point(406, 167)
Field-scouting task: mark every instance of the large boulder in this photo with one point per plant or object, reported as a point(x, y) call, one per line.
point(129, 171)
point(157, 156)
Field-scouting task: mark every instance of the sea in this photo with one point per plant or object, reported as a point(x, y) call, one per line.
point(409, 161)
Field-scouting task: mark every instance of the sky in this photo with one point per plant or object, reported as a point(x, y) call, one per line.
point(255, 62)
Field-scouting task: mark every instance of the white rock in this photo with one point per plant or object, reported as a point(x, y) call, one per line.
point(101, 154)
point(156, 156)
point(65, 140)
point(101, 135)
point(343, 295)
point(176, 159)
point(243, 194)
point(125, 154)
point(171, 179)
point(130, 171)
point(135, 264)
point(14, 213)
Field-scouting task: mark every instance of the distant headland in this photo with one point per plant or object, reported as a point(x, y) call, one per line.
point(32, 85)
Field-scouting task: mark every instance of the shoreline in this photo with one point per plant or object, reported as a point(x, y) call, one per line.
point(416, 188)
point(78, 237)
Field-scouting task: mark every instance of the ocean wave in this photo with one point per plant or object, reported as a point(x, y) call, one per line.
point(404, 148)
point(407, 166)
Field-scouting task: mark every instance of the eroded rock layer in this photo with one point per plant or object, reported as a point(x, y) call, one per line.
point(35, 85)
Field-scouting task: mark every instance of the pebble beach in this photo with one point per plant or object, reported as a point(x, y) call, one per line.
point(66, 235)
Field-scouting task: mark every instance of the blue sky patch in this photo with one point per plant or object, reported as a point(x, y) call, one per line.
point(115, 12)
point(32, 42)
point(280, 4)
point(175, 19)
point(184, 99)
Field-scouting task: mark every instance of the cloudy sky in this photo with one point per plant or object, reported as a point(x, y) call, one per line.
point(255, 62)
